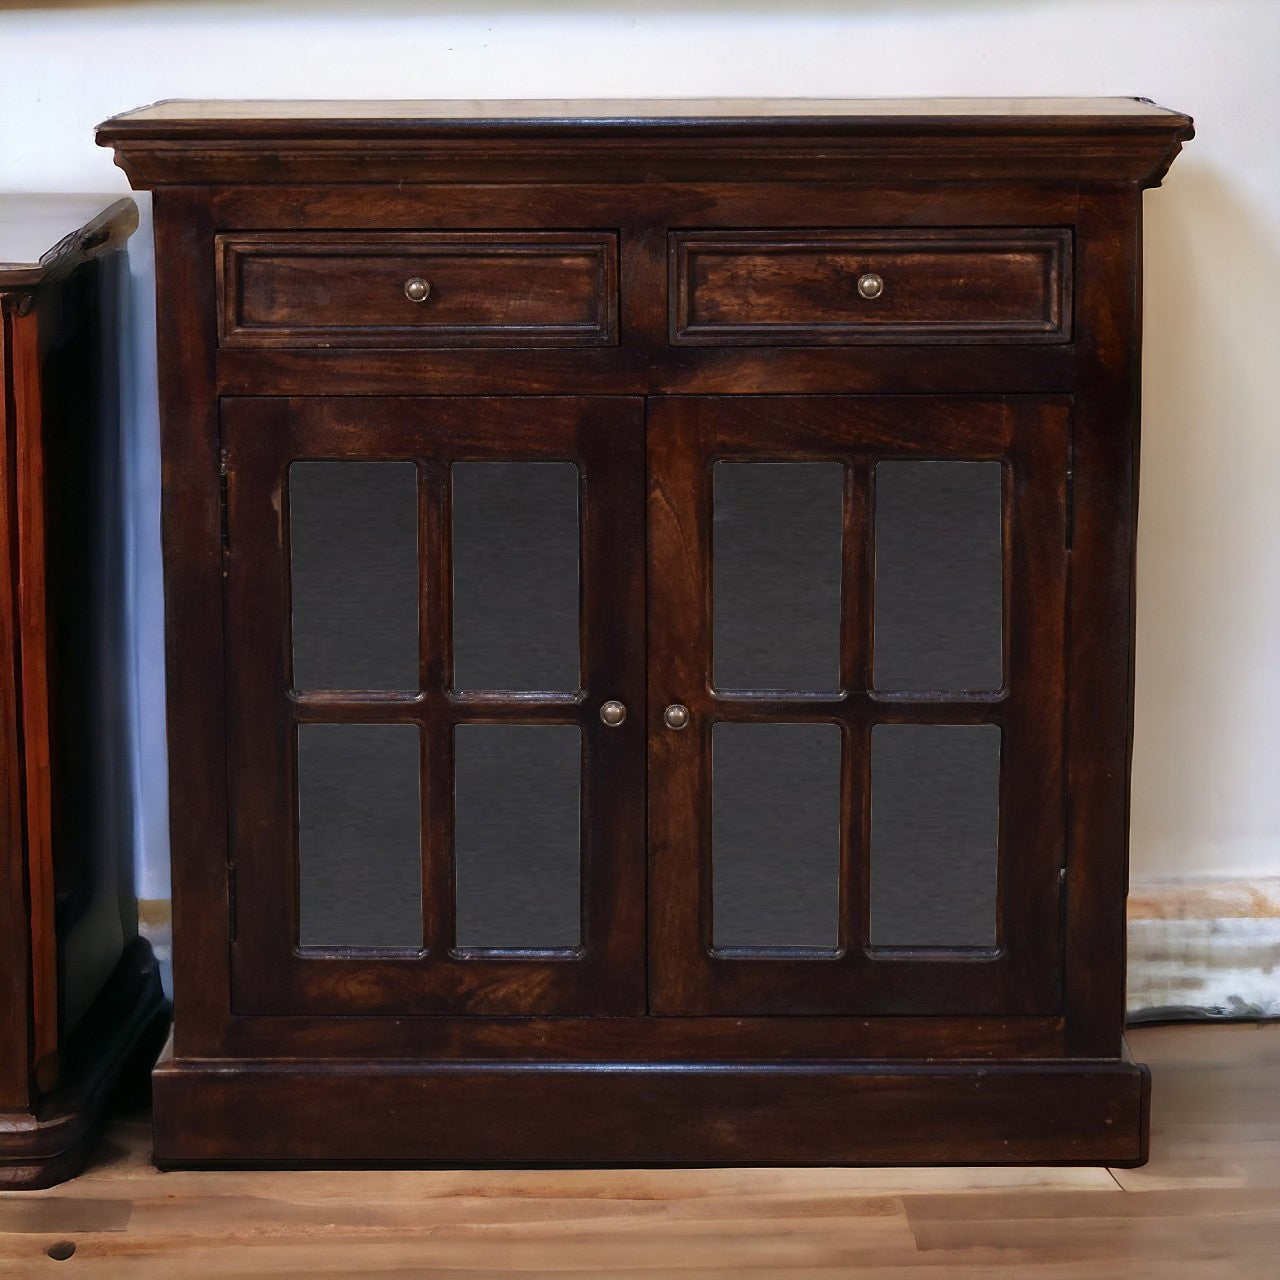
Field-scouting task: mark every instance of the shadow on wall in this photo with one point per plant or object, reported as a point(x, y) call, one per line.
point(1209, 536)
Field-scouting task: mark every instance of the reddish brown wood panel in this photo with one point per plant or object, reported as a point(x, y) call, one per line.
point(1023, 974)
point(15, 924)
point(1005, 237)
point(77, 989)
point(644, 1039)
point(796, 1114)
point(606, 974)
point(808, 287)
point(191, 510)
point(33, 649)
point(1096, 140)
point(1101, 620)
point(461, 289)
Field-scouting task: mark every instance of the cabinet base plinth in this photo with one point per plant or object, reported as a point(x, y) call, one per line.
point(51, 1143)
point(361, 1112)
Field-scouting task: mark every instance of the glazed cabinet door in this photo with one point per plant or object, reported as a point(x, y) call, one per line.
point(436, 698)
point(856, 644)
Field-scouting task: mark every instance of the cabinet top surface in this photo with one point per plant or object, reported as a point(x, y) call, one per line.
point(209, 115)
point(273, 143)
point(43, 235)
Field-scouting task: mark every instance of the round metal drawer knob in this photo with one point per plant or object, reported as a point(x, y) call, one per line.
point(613, 713)
point(870, 285)
point(676, 716)
point(416, 289)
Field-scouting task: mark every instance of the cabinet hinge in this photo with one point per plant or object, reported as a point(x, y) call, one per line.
point(1071, 505)
point(231, 900)
point(222, 500)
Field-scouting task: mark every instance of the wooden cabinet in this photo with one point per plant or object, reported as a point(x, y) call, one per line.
point(649, 627)
point(79, 991)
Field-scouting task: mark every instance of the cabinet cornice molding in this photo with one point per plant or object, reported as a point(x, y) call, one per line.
point(1104, 140)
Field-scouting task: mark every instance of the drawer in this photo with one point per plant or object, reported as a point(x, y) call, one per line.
point(816, 287)
point(484, 289)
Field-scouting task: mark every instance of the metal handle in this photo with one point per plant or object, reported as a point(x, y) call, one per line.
point(416, 289)
point(676, 716)
point(870, 285)
point(613, 713)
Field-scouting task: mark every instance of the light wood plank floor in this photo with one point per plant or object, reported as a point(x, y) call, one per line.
point(1207, 1207)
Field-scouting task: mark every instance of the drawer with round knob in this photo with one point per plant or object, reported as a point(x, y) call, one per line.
point(814, 287)
point(417, 289)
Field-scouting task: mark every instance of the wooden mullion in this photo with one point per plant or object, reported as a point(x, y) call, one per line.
point(358, 708)
point(859, 707)
point(519, 709)
point(435, 630)
point(857, 608)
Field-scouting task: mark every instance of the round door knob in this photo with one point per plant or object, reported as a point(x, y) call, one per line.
point(416, 289)
point(676, 716)
point(870, 285)
point(613, 713)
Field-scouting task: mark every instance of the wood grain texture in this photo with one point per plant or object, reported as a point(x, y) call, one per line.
point(264, 1036)
point(1100, 616)
point(44, 238)
point(604, 437)
point(116, 1040)
point(542, 288)
point(1023, 975)
point(77, 989)
point(774, 287)
point(1113, 139)
point(33, 653)
point(803, 1113)
point(15, 922)
point(1206, 1207)
point(195, 697)
point(265, 116)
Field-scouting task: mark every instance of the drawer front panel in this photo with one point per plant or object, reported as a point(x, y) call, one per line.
point(352, 289)
point(813, 287)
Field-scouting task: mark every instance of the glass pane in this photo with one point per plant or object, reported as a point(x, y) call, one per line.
point(516, 835)
point(935, 823)
point(515, 575)
point(359, 841)
point(775, 835)
point(938, 608)
point(353, 545)
point(776, 577)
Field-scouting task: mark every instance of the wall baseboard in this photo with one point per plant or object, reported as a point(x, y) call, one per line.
point(1204, 948)
point(1200, 948)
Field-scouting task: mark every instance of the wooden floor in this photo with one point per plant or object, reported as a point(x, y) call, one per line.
point(1207, 1207)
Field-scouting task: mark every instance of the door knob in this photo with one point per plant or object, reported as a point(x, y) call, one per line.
point(676, 716)
point(613, 713)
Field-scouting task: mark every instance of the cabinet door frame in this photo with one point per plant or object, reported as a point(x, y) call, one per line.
point(1022, 974)
point(270, 972)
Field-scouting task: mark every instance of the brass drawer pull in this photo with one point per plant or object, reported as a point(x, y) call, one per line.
point(416, 289)
point(613, 713)
point(870, 285)
point(676, 716)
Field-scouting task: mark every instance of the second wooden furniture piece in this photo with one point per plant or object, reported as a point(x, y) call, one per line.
point(649, 606)
point(78, 989)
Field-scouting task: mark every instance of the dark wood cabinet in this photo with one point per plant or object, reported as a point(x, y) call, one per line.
point(649, 613)
point(79, 991)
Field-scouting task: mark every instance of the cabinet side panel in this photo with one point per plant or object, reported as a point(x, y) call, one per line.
point(191, 515)
point(1101, 619)
point(33, 664)
point(15, 935)
point(90, 821)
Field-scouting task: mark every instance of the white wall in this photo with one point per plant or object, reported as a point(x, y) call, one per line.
point(1206, 794)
